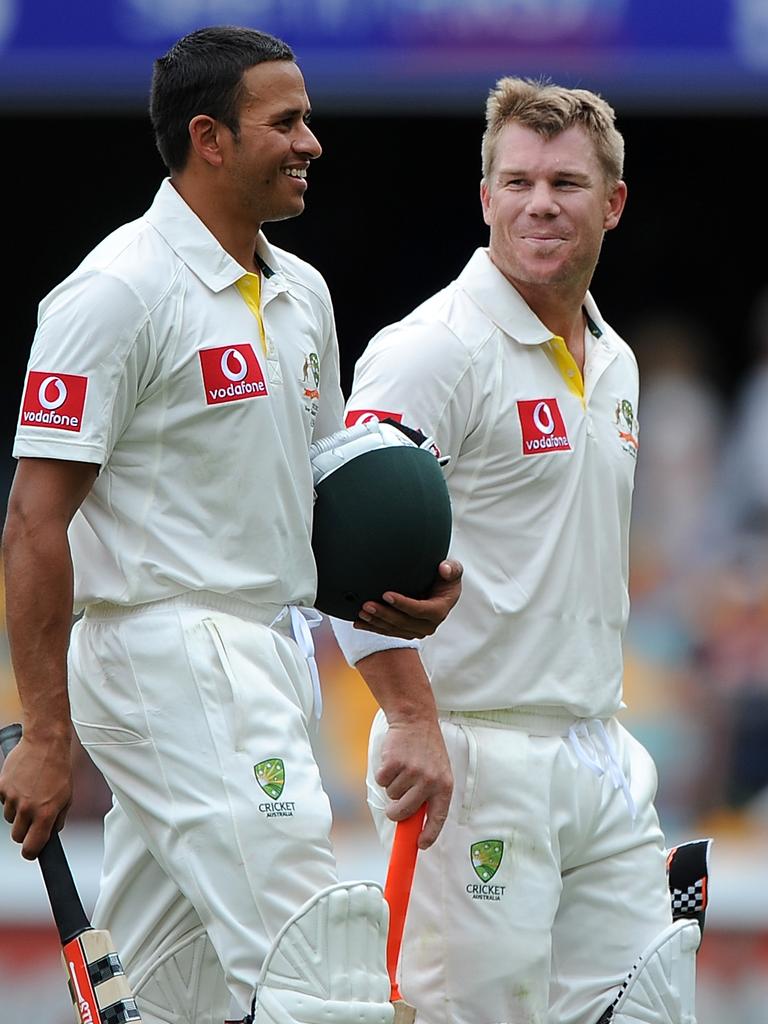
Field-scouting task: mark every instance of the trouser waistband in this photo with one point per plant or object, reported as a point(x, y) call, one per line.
point(548, 721)
point(588, 738)
point(290, 620)
point(265, 614)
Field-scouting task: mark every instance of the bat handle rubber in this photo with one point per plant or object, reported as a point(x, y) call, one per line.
point(9, 737)
point(397, 888)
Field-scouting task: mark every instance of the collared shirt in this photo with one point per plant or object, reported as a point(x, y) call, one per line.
point(541, 476)
point(149, 362)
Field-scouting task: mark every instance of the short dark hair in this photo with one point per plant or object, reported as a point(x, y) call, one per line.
point(202, 73)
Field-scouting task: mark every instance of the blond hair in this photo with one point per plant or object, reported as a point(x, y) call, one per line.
point(550, 109)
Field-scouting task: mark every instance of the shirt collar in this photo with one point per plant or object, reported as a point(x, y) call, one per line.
point(193, 243)
point(505, 307)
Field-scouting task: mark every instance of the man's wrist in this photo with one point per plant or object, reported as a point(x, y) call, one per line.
point(47, 731)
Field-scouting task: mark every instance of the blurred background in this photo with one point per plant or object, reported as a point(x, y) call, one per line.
point(398, 89)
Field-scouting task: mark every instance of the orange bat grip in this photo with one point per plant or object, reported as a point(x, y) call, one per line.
point(397, 889)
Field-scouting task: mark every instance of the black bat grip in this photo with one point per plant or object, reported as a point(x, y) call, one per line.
point(9, 737)
point(71, 920)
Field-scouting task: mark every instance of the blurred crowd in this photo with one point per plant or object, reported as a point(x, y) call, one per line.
point(697, 645)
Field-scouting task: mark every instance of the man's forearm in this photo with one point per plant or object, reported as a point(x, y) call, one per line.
point(45, 495)
point(397, 680)
point(413, 766)
point(38, 584)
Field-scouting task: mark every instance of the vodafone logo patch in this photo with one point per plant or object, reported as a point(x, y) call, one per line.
point(368, 415)
point(54, 400)
point(542, 425)
point(231, 373)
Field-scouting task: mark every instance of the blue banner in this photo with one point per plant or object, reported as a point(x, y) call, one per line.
point(399, 53)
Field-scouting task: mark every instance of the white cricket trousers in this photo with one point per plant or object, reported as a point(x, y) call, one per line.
point(541, 890)
point(199, 716)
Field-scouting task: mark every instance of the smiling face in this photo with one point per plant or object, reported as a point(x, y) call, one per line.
point(266, 162)
point(547, 203)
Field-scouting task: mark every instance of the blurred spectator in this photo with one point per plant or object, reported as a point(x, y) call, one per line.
point(731, 608)
point(342, 745)
point(732, 661)
point(743, 493)
point(680, 431)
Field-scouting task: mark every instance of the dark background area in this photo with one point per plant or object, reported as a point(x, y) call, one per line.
point(393, 214)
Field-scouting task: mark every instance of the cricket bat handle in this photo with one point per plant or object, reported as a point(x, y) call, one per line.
point(397, 888)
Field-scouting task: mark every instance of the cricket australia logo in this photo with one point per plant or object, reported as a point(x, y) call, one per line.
point(270, 775)
point(310, 376)
point(486, 858)
point(626, 425)
point(310, 385)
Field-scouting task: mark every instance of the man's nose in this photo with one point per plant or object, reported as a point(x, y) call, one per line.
point(542, 200)
point(308, 143)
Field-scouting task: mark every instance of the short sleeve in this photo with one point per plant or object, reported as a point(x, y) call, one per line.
point(92, 354)
point(418, 374)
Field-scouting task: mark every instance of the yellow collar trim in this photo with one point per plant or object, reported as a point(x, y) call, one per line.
point(567, 366)
point(249, 287)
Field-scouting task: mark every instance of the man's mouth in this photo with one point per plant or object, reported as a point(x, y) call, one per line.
point(295, 172)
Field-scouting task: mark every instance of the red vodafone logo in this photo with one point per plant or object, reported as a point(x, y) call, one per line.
point(231, 373)
point(370, 415)
point(542, 425)
point(54, 400)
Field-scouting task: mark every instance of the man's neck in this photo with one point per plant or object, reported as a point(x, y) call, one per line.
point(234, 233)
point(561, 310)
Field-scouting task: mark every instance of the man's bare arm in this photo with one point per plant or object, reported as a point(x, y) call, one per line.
point(35, 783)
point(414, 766)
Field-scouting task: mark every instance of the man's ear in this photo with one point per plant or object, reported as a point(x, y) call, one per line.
point(614, 205)
point(205, 138)
point(485, 199)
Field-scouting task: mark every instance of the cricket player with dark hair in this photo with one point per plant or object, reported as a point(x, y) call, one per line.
point(545, 897)
point(177, 379)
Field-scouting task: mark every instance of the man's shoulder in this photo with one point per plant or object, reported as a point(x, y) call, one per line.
point(132, 257)
point(121, 280)
point(448, 320)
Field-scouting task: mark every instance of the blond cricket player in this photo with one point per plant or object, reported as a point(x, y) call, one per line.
point(544, 900)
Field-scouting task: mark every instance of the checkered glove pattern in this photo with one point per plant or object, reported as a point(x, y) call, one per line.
point(688, 877)
point(689, 902)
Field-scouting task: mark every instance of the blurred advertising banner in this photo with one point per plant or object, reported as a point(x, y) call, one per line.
point(401, 54)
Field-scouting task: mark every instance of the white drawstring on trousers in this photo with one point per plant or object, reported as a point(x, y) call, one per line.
point(303, 621)
point(593, 746)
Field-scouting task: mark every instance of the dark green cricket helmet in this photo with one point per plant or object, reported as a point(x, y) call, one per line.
point(382, 516)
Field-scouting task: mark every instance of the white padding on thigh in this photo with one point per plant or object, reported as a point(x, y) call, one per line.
point(661, 988)
point(328, 962)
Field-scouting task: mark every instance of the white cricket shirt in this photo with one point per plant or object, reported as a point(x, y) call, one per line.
point(149, 361)
point(541, 478)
